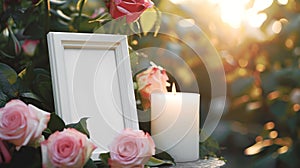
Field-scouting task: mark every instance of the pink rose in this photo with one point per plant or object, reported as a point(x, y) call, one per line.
point(132, 148)
point(21, 124)
point(154, 79)
point(29, 46)
point(69, 148)
point(132, 9)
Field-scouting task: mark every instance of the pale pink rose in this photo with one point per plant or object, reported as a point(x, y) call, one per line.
point(21, 124)
point(29, 46)
point(132, 148)
point(154, 79)
point(69, 149)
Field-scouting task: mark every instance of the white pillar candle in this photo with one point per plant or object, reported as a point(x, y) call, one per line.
point(175, 124)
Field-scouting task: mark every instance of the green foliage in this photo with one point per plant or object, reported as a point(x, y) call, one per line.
point(104, 157)
point(162, 159)
point(262, 71)
point(90, 164)
point(159, 162)
point(27, 76)
point(209, 148)
point(81, 126)
point(27, 157)
point(55, 123)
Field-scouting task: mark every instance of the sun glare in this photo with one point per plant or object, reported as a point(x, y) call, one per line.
point(235, 13)
point(283, 2)
point(177, 1)
point(256, 19)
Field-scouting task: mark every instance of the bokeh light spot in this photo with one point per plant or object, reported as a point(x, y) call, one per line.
point(289, 43)
point(253, 106)
point(259, 139)
point(134, 42)
point(296, 107)
point(243, 63)
point(256, 92)
point(273, 134)
point(276, 27)
point(273, 95)
point(283, 150)
point(260, 67)
point(242, 71)
point(269, 125)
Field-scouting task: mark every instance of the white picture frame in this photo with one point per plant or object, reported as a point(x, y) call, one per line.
point(91, 77)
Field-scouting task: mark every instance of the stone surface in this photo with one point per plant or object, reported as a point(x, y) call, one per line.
point(207, 163)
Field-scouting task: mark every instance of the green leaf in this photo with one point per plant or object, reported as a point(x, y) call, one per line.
point(158, 162)
point(6, 55)
point(8, 73)
point(90, 164)
point(16, 43)
point(56, 123)
point(81, 126)
point(34, 30)
point(80, 4)
point(30, 95)
point(82, 22)
point(79, 7)
point(148, 20)
point(104, 157)
point(209, 147)
point(164, 156)
point(58, 2)
point(27, 157)
point(47, 131)
point(3, 99)
point(40, 82)
point(9, 82)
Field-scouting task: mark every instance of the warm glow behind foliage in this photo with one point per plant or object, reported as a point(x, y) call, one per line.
point(240, 19)
point(236, 13)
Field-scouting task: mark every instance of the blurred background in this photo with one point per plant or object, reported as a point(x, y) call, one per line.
point(257, 41)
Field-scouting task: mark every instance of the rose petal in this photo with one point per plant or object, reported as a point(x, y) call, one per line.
point(42, 116)
point(131, 147)
point(132, 9)
point(68, 148)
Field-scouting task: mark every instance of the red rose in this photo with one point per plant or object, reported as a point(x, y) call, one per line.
point(132, 9)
